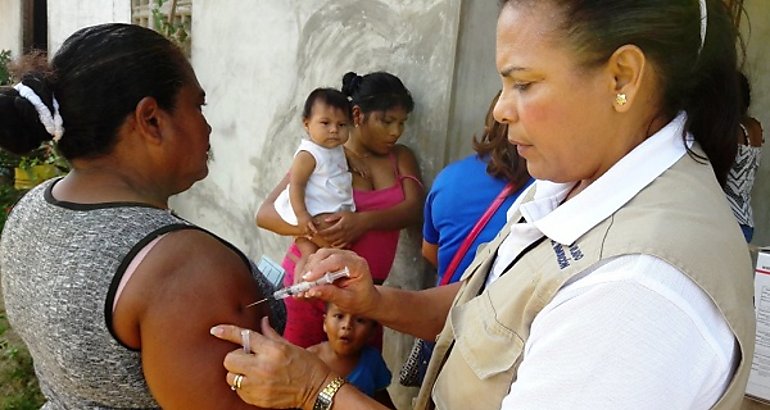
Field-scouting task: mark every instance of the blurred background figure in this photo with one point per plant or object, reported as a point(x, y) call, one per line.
point(741, 178)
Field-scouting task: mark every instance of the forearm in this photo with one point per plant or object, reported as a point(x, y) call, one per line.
point(350, 398)
point(268, 218)
point(396, 309)
point(297, 199)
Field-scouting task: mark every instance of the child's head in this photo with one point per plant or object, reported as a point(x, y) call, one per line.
point(347, 333)
point(326, 117)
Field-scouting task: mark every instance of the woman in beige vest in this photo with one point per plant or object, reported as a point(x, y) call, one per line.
point(613, 283)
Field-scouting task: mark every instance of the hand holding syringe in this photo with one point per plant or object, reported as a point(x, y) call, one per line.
point(292, 290)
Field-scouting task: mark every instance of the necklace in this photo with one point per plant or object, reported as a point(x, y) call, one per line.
point(356, 154)
point(357, 164)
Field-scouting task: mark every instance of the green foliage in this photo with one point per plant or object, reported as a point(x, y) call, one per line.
point(8, 197)
point(18, 385)
point(45, 154)
point(5, 75)
point(175, 29)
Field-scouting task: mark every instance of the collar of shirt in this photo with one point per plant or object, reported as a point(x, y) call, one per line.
point(566, 222)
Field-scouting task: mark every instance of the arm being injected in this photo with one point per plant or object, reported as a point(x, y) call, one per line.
point(298, 288)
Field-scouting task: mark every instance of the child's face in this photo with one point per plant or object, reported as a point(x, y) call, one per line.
point(327, 126)
point(347, 333)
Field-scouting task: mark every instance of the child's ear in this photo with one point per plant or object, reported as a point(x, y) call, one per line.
point(306, 124)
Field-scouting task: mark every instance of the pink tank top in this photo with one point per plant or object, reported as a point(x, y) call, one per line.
point(304, 321)
point(379, 247)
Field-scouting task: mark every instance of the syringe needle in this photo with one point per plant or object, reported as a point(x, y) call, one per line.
point(256, 303)
point(328, 278)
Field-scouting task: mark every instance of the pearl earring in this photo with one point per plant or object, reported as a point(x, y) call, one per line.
point(621, 99)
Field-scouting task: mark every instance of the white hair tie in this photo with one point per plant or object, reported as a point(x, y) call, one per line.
point(52, 122)
point(704, 20)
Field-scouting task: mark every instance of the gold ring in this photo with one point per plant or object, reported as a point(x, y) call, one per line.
point(237, 382)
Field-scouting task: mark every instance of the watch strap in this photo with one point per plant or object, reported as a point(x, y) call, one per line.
point(325, 397)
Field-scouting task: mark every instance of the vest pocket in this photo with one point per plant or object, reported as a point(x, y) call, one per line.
point(487, 347)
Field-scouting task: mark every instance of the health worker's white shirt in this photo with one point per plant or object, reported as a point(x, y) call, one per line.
point(632, 333)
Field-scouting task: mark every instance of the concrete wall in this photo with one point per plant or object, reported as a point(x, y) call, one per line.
point(11, 26)
point(66, 17)
point(258, 64)
point(756, 32)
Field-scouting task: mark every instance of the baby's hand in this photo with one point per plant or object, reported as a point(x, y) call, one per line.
point(305, 222)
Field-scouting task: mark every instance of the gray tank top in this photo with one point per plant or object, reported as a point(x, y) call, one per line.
point(61, 264)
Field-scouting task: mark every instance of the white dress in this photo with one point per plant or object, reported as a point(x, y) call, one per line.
point(329, 188)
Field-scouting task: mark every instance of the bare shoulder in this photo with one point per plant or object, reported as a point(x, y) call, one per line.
point(198, 269)
point(405, 156)
point(195, 251)
point(756, 133)
point(189, 282)
point(402, 151)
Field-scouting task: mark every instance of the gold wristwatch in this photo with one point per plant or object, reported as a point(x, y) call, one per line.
point(326, 395)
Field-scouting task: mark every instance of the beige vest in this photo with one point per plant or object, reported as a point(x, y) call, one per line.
point(682, 218)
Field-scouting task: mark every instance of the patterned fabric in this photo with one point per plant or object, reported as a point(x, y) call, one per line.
point(740, 180)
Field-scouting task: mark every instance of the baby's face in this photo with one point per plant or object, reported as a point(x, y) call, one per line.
point(327, 126)
point(347, 333)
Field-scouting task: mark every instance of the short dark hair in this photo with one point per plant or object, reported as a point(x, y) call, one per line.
point(329, 96)
point(98, 76)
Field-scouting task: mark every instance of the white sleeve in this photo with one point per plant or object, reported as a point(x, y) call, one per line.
point(635, 333)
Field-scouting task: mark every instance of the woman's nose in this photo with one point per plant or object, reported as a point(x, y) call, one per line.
point(505, 110)
point(396, 130)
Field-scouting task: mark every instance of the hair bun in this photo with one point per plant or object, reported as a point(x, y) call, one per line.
point(21, 130)
point(350, 83)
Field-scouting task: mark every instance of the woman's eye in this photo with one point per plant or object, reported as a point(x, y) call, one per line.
point(522, 86)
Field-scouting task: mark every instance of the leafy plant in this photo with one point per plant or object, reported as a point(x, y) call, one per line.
point(18, 385)
point(45, 154)
point(167, 23)
point(5, 59)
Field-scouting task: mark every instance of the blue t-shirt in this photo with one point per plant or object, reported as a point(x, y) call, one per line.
point(371, 373)
point(459, 196)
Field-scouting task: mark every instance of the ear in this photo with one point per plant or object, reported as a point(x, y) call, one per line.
point(148, 118)
point(358, 116)
point(306, 124)
point(627, 66)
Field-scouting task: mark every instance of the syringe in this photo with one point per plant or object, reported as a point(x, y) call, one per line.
point(292, 290)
